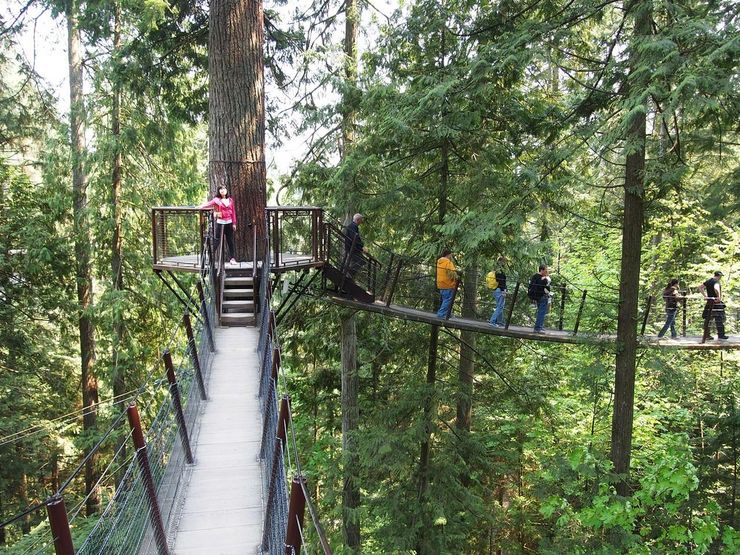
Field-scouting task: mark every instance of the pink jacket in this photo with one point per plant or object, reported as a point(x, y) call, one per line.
point(227, 212)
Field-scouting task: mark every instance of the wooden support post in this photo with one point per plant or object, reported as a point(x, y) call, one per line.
point(562, 307)
point(59, 524)
point(647, 314)
point(146, 475)
point(296, 510)
point(511, 307)
point(193, 352)
point(580, 311)
point(177, 405)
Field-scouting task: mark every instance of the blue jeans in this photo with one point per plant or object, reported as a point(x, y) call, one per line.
point(446, 305)
point(539, 322)
point(498, 315)
point(670, 322)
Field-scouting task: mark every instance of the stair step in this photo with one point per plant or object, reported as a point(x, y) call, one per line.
point(238, 280)
point(242, 293)
point(237, 319)
point(237, 306)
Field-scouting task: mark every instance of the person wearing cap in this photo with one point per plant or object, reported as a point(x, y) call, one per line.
point(712, 291)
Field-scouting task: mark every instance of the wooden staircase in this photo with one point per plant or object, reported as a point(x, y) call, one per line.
point(238, 306)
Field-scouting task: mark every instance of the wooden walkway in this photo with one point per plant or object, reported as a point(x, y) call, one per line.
point(555, 336)
point(222, 509)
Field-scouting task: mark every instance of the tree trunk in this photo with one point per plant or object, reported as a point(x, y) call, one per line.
point(236, 106)
point(118, 353)
point(350, 376)
point(629, 279)
point(82, 246)
point(466, 366)
point(429, 418)
point(350, 421)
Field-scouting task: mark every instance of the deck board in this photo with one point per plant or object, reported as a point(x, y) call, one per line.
point(222, 510)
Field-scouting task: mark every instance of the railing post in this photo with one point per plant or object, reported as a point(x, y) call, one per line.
point(580, 311)
point(155, 254)
point(283, 418)
point(193, 351)
point(647, 314)
point(387, 278)
point(452, 303)
point(59, 524)
point(296, 510)
point(562, 308)
point(206, 317)
point(683, 315)
point(511, 306)
point(394, 283)
point(177, 404)
point(276, 237)
point(146, 475)
point(709, 311)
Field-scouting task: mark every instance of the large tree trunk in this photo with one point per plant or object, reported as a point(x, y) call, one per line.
point(466, 366)
point(629, 279)
point(82, 242)
point(118, 352)
point(429, 419)
point(350, 376)
point(350, 422)
point(236, 106)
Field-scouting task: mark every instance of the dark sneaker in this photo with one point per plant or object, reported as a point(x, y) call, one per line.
point(709, 338)
point(724, 336)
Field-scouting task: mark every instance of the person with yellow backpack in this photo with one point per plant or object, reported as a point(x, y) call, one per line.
point(496, 282)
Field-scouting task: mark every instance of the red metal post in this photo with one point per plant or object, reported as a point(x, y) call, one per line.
point(59, 524)
point(275, 363)
point(193, 351)
point(283, 418)
point(177, 404)
point(155, 254)
point(146, 475)
point(296, 510)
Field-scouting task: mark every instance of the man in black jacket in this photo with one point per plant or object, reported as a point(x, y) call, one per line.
point(354, 246)
point(712, 291)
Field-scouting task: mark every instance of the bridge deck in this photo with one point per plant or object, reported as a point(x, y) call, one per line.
point(222, 510)
point(455, 322)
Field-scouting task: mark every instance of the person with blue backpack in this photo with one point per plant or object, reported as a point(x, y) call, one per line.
point(539, 292)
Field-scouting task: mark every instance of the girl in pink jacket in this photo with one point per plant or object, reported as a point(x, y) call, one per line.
point(223, 208)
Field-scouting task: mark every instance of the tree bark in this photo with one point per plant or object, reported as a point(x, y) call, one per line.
point(236, 105)
point(82, 246)
point(350, 376)
point(629, 280)
point(466, 366)
point(118, 353)
point(350, 422)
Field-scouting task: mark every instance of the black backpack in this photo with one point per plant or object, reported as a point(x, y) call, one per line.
point(535, 289)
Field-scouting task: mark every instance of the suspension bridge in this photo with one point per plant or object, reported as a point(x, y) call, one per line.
point(204, 454)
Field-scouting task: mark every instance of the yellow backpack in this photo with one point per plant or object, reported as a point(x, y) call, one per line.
point(491, 281)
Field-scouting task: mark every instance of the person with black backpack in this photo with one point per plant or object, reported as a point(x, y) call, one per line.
point(539, 292)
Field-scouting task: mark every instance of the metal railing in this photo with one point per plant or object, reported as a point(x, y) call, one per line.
point(295, 236)
point(342, 254)
point(283, 530)
point(178, 236)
